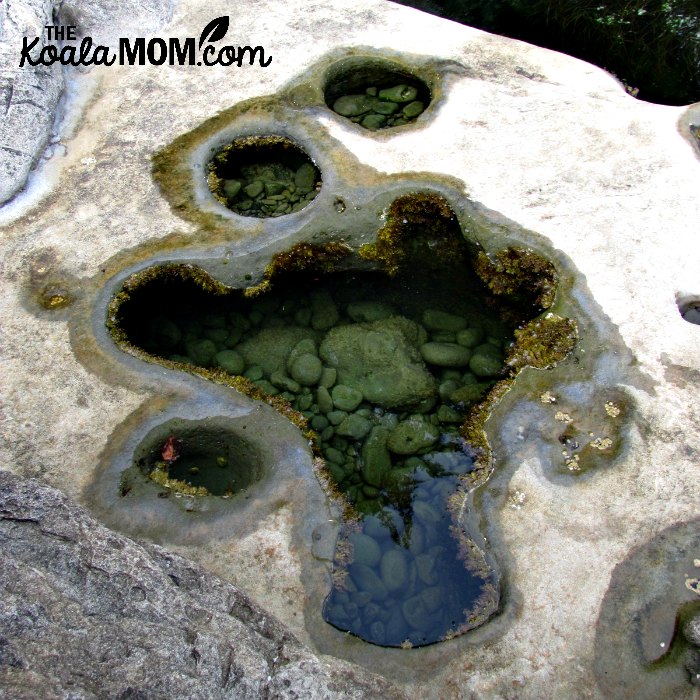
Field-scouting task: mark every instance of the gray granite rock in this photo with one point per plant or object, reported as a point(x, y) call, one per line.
point(88, 613)
point(28, 95)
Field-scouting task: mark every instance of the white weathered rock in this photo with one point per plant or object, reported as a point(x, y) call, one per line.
point(531, 140)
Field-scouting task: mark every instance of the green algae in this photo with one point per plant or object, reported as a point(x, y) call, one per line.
point(420, 224)
point(303, 256)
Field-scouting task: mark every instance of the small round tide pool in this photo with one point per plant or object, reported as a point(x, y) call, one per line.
point(376, 94)
point(263, 176)
point(199, 458)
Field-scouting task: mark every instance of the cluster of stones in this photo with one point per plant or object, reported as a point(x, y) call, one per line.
point(386, 395)
point(379, 389)
point(270, 189)
point(380, 109)
point(404, 585)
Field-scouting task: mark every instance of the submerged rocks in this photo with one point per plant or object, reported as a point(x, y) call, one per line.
point(412, 436)
point(436, 320)
point(445, 354)
point(306, 369)
point(346, 398)
point(377, 109)
point(270, 347)
point(266, 189)
point(231, 361)
point(375, 456)
point(378, 361)
point(360, 311)
point(487, 361)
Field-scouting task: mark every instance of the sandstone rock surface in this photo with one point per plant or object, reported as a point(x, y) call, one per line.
point(531, 148)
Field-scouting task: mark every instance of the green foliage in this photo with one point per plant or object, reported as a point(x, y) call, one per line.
point(652, 46)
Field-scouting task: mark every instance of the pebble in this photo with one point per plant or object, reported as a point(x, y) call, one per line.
point(254, 373)
point(306, 369)
point(254, 189)
point(470, 337)
point(232, 188)
point(413, 109)
point(436, 320)
point(366, 550)
point(334, 455)
point(469, 393)
point(416, 614)
point(324, 400)
point(305, 401)
point(329, 376)
point(426, 513)
point(446, 414)
point(486, 361)
point(319, 423)
point(217, 335)
point(399, 93)
point(368, 311)
point(353, 426)
point(366, 580)
point(282, 381)
point(201, 352)
point(336, 417)
point(447, 388)
point(346, 398)
point(376, 461)
point(305, 177)
point(445, 354)
point(353, 105)
point(394, 569)
point(231, 361)
point(425, 565)
point(412, 435)
point(324, 312)
point(373, 121)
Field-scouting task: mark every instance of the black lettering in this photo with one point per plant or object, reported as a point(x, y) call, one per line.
point(182, 55)
point(227, 56)
point(85, 46)
point(242, 50)
point(25, 56)
point(51, 53)
point(208, 52)
point(67, 56)
point(101, 56)
point(127, 54)
point(162, 53)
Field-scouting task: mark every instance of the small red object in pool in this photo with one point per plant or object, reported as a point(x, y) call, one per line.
point(171, 449)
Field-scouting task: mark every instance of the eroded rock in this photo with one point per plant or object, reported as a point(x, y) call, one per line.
point(85, 612)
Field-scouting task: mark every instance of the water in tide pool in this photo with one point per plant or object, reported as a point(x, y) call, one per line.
point(385, 370)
